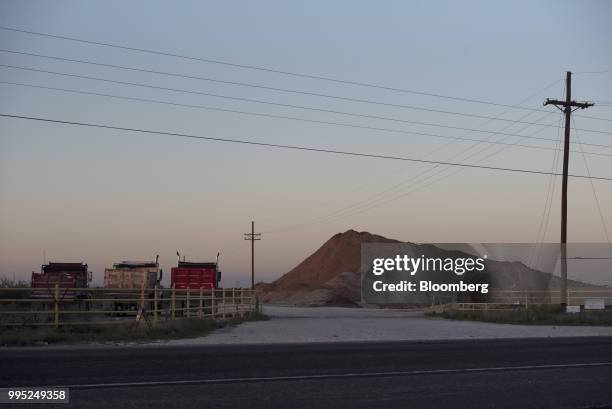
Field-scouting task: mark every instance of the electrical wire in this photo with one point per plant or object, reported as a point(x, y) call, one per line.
point(593, 72)
point(586, 165)
point(274, 116)
point(375, 200)
point(535, 256)
point(259, 86)
point(291, 147)
point(359, 208)
point(405, 181)
point(257, 68)
point(243, 84)
point(259, 101)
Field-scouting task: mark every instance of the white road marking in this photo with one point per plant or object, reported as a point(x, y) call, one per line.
point(331, 376)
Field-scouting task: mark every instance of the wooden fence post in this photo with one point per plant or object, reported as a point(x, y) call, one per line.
point(56, 306)
point(223, 303)
point(234, 303)
point(201, 303)
point(188, 303)
point(173, 305)
point(155, 304)
point(242, 302)
point(142, 297)
point(213, 313)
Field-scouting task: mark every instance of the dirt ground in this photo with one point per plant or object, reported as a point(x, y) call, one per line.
point(337, 324)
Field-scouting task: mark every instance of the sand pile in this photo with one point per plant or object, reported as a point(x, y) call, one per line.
point(329, 276)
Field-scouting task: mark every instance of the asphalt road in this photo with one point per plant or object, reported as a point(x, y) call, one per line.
point(538, 373)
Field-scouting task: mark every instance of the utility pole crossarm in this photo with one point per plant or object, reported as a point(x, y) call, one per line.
point(557, 102)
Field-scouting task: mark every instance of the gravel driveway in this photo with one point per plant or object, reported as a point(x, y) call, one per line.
point(329, 324)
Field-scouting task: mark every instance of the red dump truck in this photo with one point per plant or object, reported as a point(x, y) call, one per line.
point(195, 275)
point(194, 278)
point(63, 275)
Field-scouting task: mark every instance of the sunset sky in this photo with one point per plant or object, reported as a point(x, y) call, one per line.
point(101, 196)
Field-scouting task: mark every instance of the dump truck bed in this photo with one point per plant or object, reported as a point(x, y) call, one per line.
point(64, 275)
point(131, 277)
point(194, 278)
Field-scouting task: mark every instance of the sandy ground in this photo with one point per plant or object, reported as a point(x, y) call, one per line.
point(335, 324)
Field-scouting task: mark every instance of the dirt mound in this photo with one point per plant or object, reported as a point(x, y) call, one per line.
point(329, 276)
point(339, 254)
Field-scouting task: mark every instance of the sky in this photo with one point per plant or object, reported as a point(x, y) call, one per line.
point(100, 196)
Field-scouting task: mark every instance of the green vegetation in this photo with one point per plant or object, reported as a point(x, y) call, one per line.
point(540, 315)
point(23, 293)
point(7, 283)
point(121, 332)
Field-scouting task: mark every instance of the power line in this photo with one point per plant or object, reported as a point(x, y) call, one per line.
point(376, 200)
point(292, 147)
point(259, 101)
point(359, 208)
point(294, 91)
point(550, 192)
point(244, 84)
point(594, 72)
point(586, 165)
point(501, 149)
point(536, 255)
point(403, 182)
point(257, 68)
point(262, 114)
point(273, 116)
point(372, 201)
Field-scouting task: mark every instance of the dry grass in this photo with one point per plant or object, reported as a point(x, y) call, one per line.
point(121, 332)
point(542, 315)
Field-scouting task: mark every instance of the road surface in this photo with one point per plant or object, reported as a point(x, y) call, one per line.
point(512, 373)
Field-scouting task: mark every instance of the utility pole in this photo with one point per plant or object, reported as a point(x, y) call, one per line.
point(569, 106)
point(252, 236)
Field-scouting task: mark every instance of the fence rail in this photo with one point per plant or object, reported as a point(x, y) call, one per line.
point(90, 306)
point(542, 297)
point(505, 300)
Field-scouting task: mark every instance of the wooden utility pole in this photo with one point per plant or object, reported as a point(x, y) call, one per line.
point(568, 106)
point(252, 236)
